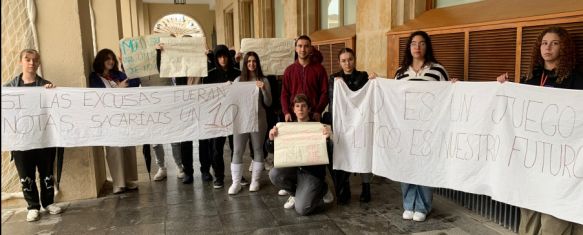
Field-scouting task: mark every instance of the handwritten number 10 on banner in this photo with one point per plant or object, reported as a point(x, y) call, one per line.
point(226, 115)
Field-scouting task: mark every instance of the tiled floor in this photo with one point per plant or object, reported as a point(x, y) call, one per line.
point(170, 207)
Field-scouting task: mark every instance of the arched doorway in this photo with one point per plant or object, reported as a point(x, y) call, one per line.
point(179, 25)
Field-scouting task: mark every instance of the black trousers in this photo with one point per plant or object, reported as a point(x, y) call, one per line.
point(27, 162)
point(186, 157)
point(210, 153)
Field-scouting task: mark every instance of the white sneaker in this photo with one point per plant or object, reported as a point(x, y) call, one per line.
point(328, 198)
point(54, 209)
point(282, 193)
point(180, 173)
point(291, 202)
point(408, 215)
point(160, 175)
point(419, 217)
point(32, 215)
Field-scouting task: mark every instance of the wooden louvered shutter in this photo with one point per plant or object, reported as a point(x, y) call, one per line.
point(449, 52)
point(529, 35)
point(336, 47)
point(325, 49)
point(492, 52)
point(402, 46)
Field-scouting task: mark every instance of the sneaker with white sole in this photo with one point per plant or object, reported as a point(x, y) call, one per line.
point(408, 215)
point(54, 209)
point(244, 181)
point(268, 163)
point(291, 202)
point(180, 173)
point(160, 175)
point(329, 197)
point(32, 215)
point(131, 185)
point(419, 217)
point(282, 193)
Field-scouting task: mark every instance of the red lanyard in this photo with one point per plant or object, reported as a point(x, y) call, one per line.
point(543, 79)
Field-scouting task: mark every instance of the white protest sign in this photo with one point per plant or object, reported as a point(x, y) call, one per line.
point(69, 117)
point(519, 144)
point(183, 57)
point(138, 55)
point(299, 144)
point(275, 54)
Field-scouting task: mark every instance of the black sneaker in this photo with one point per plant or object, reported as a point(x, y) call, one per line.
point(188, 179)
point(218, 184)
point(244, 182)
point(207, 177)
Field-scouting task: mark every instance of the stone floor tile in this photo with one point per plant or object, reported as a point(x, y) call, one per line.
point(195, 225)
point(84, 222)
point(144, 215)
point(288, 217)
point(247, 220)
point(188, 210)
point(240, 204)
point(313, 228)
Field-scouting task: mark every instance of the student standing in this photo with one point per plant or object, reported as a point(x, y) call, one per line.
point(419, 64)
point(304, 77)
point(120, 160)
point(552, 65)
point(27, 162)
point(355, 80)
point(211, 150)
point(251, 72)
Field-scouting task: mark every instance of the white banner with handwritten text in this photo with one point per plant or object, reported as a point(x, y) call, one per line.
point(275, 54)
point(69, 117)
point(299, 144)
point(519, 144)
point(183, 57)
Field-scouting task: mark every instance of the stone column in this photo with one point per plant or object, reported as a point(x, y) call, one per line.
point(373, 21)
point(66, 50)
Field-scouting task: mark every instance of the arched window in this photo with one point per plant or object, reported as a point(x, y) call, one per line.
point(179, 25)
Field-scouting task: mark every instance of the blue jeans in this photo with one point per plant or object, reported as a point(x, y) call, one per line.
point(417, 198)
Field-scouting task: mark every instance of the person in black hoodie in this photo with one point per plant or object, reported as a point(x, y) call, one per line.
point(553, 64)
point(355, 80)
point(211, 150)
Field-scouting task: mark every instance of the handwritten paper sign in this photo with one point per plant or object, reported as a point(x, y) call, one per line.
point(183, 57)
point(275, 54)
point(519, 144)
point(69, 117)
point(139, 55)
point(299, 144)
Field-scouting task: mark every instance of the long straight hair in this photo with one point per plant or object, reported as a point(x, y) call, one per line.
point(567, 58)
point(408, 58)
point(245, 73)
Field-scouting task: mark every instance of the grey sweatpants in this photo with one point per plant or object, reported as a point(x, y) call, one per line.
point(307, 189)
point(159, 150)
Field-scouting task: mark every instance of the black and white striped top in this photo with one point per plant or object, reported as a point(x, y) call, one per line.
point(430, 72)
